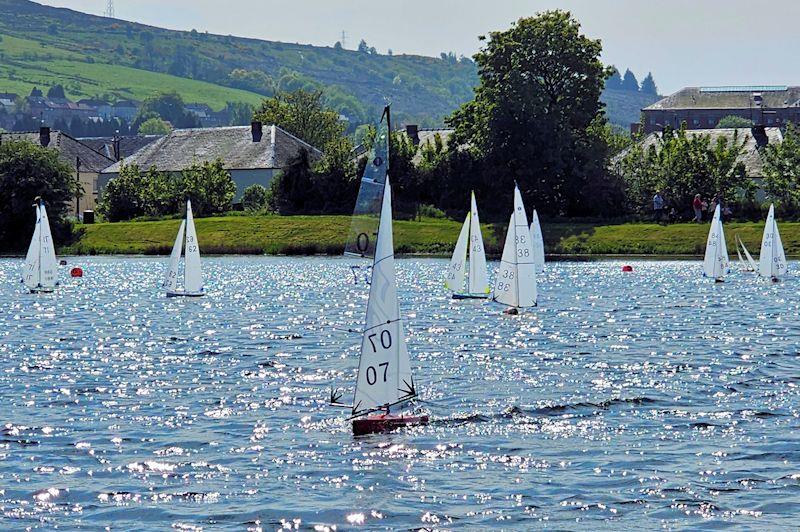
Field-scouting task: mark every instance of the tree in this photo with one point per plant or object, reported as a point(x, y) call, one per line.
point(614, 81)
point(539, 91)
point(335, 180)
point(28, 171)
point(209, 186)
point(649, 85)
point(782, 170)
point(363, 47)
point(303, 114)
point(682, 164)
point(337, 46)
point(733, 121)
point(629, 82)
point(291, 189)
point(154, 126)
point(240, 113)
point(255, 198)
point(125, 195)
point(56, 92)
point(167, 106)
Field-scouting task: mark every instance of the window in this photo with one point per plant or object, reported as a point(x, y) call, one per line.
point(696, 122)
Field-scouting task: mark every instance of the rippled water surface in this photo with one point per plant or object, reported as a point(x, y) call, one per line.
point(623, 401)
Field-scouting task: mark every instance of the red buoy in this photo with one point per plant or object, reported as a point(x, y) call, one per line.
point(76, 272)
point(627, 268)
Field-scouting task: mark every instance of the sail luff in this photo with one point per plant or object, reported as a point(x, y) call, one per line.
point(31, 272)
point(48, 264)
point(384, 372)
point(458, 264)
point(478, 274)
point(193, 275)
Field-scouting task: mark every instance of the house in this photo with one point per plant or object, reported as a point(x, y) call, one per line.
point(119, 147)
point(86, 162)
point(754, 139)
point(125, 110)
point(423, 136)
point(704, 107)
point(252, 154)
point(102, 108)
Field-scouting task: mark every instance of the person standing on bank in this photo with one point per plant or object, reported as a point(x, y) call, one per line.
point(697, 205)
point(658, 206)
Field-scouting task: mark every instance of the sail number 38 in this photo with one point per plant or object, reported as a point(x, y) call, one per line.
point(384, 340)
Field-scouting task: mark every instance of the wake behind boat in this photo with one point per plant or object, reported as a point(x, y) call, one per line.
point(192, 273)
point(40, 273)
point(469, 251)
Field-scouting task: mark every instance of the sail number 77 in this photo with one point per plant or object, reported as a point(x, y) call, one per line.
point(384, 340)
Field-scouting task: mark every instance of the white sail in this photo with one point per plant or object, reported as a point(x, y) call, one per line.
point(750, 260)
point(715, 263)
point(772, 261)
point(458, 264)
point(171, 277)
point(478, 276)
point(384, 372)
point(193, 276)
point(48, 262)
point(515, 285)
point(31, 274)
point(537, 242)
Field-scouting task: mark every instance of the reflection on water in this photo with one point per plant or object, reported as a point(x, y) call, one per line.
point(635, 400)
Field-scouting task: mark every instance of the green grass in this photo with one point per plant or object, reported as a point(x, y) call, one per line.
point(26, 64)
point(325, 234)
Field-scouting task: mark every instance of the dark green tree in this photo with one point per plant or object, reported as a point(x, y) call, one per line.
point(303, 114)
point(28, 171)
point(629, 82)
point(56, 92)
point(241, 113)
point(335, 180)
point(255, 199)
point(125, 196)
point(782, 170)
point(291, 191)
point(614, 81)
point(649, 85)
point(539, 93)
point(168, 106)
point(154, 126)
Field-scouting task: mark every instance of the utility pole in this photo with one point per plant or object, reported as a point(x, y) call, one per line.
point(344, 39)
point(109, 9)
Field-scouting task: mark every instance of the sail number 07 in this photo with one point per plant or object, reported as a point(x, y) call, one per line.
point(385, 341)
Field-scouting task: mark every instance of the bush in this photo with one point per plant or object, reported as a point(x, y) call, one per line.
point(429, 211)
point(255, 198)
point(209, 186)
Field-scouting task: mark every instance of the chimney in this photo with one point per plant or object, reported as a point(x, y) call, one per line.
point(116, 146)
point(256, 128)
point(759, 133)
point(44, 136)
point(412, 130)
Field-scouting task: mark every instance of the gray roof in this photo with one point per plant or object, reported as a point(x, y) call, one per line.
point(728, 98)
point(750, 156)
point(68, 148)
point(234, 145)
point(128, 145)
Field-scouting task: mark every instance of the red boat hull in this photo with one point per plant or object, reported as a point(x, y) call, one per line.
point(385, 423)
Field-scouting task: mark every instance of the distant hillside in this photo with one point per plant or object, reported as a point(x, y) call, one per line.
point(624, 108)
point(83, 52)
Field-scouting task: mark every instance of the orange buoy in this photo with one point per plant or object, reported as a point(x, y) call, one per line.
point(627, 268)
point(76, 272)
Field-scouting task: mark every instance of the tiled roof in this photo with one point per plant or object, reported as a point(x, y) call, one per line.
point(727, 98)
point(68, 148)
point(234, 145)
point(128, 145)
point(750, 156)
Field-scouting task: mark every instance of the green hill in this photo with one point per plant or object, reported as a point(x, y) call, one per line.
point(624, 108)
point(83, 52)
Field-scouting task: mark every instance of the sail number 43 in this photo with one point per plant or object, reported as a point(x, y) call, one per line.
point(384, 340)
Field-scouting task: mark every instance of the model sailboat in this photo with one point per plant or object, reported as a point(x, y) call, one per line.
point(772, 261)
point(515, 285)
point(537, 242)
point(749, 265)
point(716, 263)
point(192, 272)
point(384, 374)
point(469, 251)
point(40, 273)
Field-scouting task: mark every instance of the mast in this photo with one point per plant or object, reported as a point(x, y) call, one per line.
point(39, 212)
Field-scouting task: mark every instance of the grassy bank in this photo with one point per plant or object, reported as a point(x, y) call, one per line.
point(325, 234)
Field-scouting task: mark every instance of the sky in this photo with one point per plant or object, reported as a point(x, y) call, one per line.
point(682, 42)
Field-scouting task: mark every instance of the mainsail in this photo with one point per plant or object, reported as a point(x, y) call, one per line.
point(384, 372)
point(458, 264)
point(193, 275)
point(715, 263)
point(478, 282)
point(171, 277)
point(515, 285)
point(772, 261)
point(366, 215)
point(749, 265)
point(537, 242)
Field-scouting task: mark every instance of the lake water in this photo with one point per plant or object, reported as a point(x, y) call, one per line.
point(623, 401)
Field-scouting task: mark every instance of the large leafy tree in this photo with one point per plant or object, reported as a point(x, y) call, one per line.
point(209, 186)
point(304, 114)
point(27, 171)
point(782, 169)
point(167, 106)
point(539, 93)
